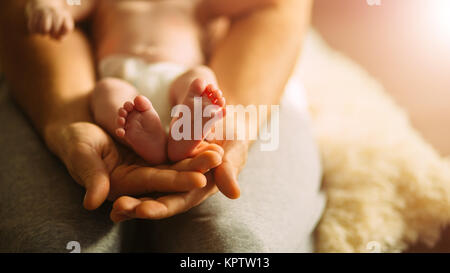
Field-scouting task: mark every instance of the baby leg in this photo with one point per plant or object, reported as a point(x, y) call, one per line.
point(119, 109)
point(198, 82)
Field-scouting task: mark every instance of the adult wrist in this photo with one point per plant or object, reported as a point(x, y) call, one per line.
point(54, 135)
point(59, 136)
point(56, 131)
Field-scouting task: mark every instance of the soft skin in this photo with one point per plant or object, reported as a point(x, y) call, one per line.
point(43, 83)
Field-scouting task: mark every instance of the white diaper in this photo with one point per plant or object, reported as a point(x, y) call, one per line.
point(152, 80)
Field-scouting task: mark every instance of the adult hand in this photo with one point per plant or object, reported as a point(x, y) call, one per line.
point(234, 159)
point(108, 171)
point(223, 177)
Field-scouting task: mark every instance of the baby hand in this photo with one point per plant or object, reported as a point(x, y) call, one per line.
point(49, 18)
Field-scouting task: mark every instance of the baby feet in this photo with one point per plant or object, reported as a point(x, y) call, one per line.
point(140, 127)
point(49, 17)
point(180, 149)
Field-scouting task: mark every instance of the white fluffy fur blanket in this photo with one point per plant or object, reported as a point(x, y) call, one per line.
point(386, 187)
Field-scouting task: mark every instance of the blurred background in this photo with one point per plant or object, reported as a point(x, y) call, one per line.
point(405, 44)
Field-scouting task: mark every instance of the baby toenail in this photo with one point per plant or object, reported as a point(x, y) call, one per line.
point(207, 89)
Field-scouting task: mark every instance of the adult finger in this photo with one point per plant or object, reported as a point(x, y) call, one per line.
point(123, 206)
point(226, 174)
point(200, 163)
point(89, 170)
point(137, 180)
point(166, 206)
point(226, 179)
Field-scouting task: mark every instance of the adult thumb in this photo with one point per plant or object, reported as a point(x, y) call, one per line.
point(226, 180)
point(97, 190)
point(90, 171)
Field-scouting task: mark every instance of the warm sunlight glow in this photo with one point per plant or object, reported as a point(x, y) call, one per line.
point(440, 14)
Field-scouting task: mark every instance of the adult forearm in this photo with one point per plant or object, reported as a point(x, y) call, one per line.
point(253, 64)
point(50, 80)
point(210, 9)
point(257, 57)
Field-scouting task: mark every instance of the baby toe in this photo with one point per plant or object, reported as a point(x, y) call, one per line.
point(121, 121)
point(198, 86)
point(214, 95)
point(128, 106)
point(142, 103)
point(120, 132)
point(220, 101)
point(122, 112)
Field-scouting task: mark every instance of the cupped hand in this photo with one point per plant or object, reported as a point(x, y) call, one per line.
point(109, 171)
point(223, 178)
